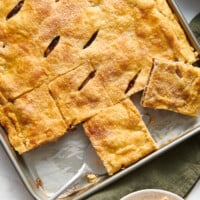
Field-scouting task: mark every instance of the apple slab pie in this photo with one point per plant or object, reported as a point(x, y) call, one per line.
point(64, 61)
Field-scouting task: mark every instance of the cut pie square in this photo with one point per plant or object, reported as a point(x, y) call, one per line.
point(40, 40)
point(79, 94)
point(173, 86)
point(32, 119)
point(119, 136)
point(119, 66)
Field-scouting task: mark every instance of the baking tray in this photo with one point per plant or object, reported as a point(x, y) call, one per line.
point(46, 171)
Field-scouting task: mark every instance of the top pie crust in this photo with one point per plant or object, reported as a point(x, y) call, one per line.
point(27, 35)
point(136, 31)
point(137, 25)
point(173, 86)
point(32, 119)
point(78, 95)
point(119, 136)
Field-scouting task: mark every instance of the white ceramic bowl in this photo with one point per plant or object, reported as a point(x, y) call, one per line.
point(151, 194)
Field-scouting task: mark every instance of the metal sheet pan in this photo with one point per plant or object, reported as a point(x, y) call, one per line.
point(47, 169)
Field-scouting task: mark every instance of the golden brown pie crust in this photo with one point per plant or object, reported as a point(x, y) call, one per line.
point(122, 27)
point(27, 35)
point(78, 95)
point(132, 34)
point(119, 136)
point(32, 119)
point(173, 86)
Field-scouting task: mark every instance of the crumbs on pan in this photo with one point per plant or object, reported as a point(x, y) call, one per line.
point(152, 120)
point(92, 178)
point(38, 182)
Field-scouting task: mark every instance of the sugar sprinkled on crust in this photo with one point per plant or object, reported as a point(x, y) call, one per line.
point(173, 86)
point(119, 136)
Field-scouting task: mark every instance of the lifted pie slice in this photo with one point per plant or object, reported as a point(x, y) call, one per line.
point(119, 136)
point(173, 86)
point(32, 119)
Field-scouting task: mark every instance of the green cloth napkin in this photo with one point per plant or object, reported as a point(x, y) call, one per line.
point(176, 171)
point(195, 26)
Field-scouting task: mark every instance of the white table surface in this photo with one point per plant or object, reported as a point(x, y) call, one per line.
point(12, 188)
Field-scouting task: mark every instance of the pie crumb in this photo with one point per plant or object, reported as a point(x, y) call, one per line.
point(38, 183)
point(91, 178)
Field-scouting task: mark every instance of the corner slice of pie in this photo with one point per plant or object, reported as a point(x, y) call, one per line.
point(119, 136)
point(173, 86)
point(32, 119)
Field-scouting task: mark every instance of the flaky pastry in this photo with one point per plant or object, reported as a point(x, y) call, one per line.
point(173, 86)
point(32, 119)
point(119, 136)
